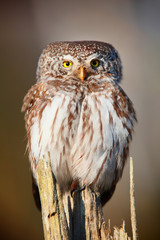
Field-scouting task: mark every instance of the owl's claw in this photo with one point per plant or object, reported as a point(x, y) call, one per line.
point(73, 191)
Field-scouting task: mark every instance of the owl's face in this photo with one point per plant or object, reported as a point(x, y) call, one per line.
point(80, 61)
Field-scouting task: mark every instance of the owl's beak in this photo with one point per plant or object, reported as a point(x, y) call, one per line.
point(82, 73)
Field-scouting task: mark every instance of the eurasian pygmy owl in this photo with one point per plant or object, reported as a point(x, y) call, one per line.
point(78, 113)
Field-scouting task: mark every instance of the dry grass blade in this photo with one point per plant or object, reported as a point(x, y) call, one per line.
point(132, 203)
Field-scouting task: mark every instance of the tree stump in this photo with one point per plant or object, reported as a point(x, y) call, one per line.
point(77, 217)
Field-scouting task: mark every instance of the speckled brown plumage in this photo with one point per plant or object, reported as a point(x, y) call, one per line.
point(80, 115)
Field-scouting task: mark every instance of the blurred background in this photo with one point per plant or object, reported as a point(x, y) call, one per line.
point(133, 27)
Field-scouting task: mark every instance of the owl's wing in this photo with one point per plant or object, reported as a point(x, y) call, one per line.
point(101, 144)
point(36, 194)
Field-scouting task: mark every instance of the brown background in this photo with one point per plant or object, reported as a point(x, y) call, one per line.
point(133, 27)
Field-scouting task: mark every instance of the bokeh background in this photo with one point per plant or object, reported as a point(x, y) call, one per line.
point(133, 27)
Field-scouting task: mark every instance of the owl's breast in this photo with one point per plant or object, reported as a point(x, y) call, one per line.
point(102, 141)
point(86, 133)
point(54, 129)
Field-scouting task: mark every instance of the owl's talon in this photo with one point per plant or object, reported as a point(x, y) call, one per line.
point(73, 191)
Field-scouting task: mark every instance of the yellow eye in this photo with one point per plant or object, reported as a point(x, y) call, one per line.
point(95, 63)
point(67, 64)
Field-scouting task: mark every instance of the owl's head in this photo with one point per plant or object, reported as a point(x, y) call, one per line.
point(80, 61)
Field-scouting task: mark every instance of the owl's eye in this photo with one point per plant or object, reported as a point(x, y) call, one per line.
point(67, 64)
point(95, 63)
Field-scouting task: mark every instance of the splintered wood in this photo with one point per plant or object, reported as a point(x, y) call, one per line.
point(72, 217)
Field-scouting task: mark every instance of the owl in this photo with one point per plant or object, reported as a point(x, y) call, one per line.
point(78, 114)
